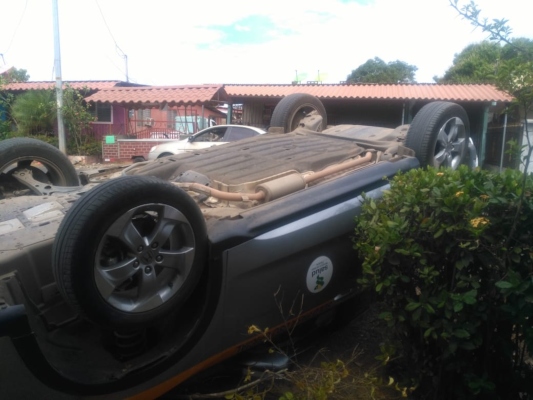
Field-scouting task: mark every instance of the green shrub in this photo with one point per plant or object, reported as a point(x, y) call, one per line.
point(89, 147)
point(77, 120)
point(34, 112)
point(5, 130)
point(455, 273)
point(5, 103)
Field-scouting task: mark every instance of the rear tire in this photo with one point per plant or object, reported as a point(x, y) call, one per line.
point(293, 108)
point(439, 135)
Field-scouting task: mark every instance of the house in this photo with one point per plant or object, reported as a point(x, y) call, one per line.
point(131, 110)
point(156, 114)
point(126, 112)
point(104, 114)
point(161, 111)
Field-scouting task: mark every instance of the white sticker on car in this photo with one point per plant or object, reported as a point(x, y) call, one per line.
point(319, 274)
point(10, 226)
point(44, 212)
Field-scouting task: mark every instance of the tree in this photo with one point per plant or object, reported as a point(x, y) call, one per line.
point(16, 75)
point(482, 62)
point(377, 71)
point(461, 304)
point(477, 63)
point(515, 68)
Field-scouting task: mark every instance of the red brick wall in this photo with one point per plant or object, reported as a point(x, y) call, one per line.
point(128, 149)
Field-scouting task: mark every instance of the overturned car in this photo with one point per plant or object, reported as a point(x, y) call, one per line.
point(131, 285)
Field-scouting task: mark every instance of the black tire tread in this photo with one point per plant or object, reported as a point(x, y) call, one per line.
point(288, 105)
point(422, 135)
point(11, 149)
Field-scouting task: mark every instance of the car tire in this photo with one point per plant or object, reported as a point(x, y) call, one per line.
point(293, 108)
point(439, 135)
point(48, 164)
point(130, 252)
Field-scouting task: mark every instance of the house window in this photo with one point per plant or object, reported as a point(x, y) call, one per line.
point(143, 116)
point(171, 119)
point(102, 112)
point(186, 124)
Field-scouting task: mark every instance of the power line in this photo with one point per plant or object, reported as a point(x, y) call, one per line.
point(122, 54)
point(17, 27)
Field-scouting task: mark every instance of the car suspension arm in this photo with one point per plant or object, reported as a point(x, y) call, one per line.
point(25, 176)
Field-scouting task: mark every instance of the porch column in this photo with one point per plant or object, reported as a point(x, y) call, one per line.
point(229, 115)
point(483, 147)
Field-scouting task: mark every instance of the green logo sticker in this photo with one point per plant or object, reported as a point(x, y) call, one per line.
point(319, 274)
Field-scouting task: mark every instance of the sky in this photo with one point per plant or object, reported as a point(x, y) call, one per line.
point(185, 42)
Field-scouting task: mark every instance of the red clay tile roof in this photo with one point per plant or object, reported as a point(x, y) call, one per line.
point(130, 94)
point(171, 95)
point(38, 85)
point(484, 93)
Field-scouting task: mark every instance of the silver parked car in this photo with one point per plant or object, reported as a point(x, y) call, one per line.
point(208, 137)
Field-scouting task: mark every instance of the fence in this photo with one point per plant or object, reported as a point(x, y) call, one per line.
point(493, 149)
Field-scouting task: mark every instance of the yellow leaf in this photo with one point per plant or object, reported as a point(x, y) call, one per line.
point(253, 329)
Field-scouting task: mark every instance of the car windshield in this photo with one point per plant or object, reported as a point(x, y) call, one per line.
point(237, 133)
point(211, 135)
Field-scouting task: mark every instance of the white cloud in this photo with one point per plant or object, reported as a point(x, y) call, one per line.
point(169, 43)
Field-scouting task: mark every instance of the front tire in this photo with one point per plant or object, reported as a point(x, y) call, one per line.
point(130, 252)
point(439, 135)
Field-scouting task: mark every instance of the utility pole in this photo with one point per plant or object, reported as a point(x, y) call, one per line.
point(59, 82)
point(126, 62)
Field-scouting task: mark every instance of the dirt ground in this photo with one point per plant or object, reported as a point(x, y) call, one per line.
point(355, 345)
